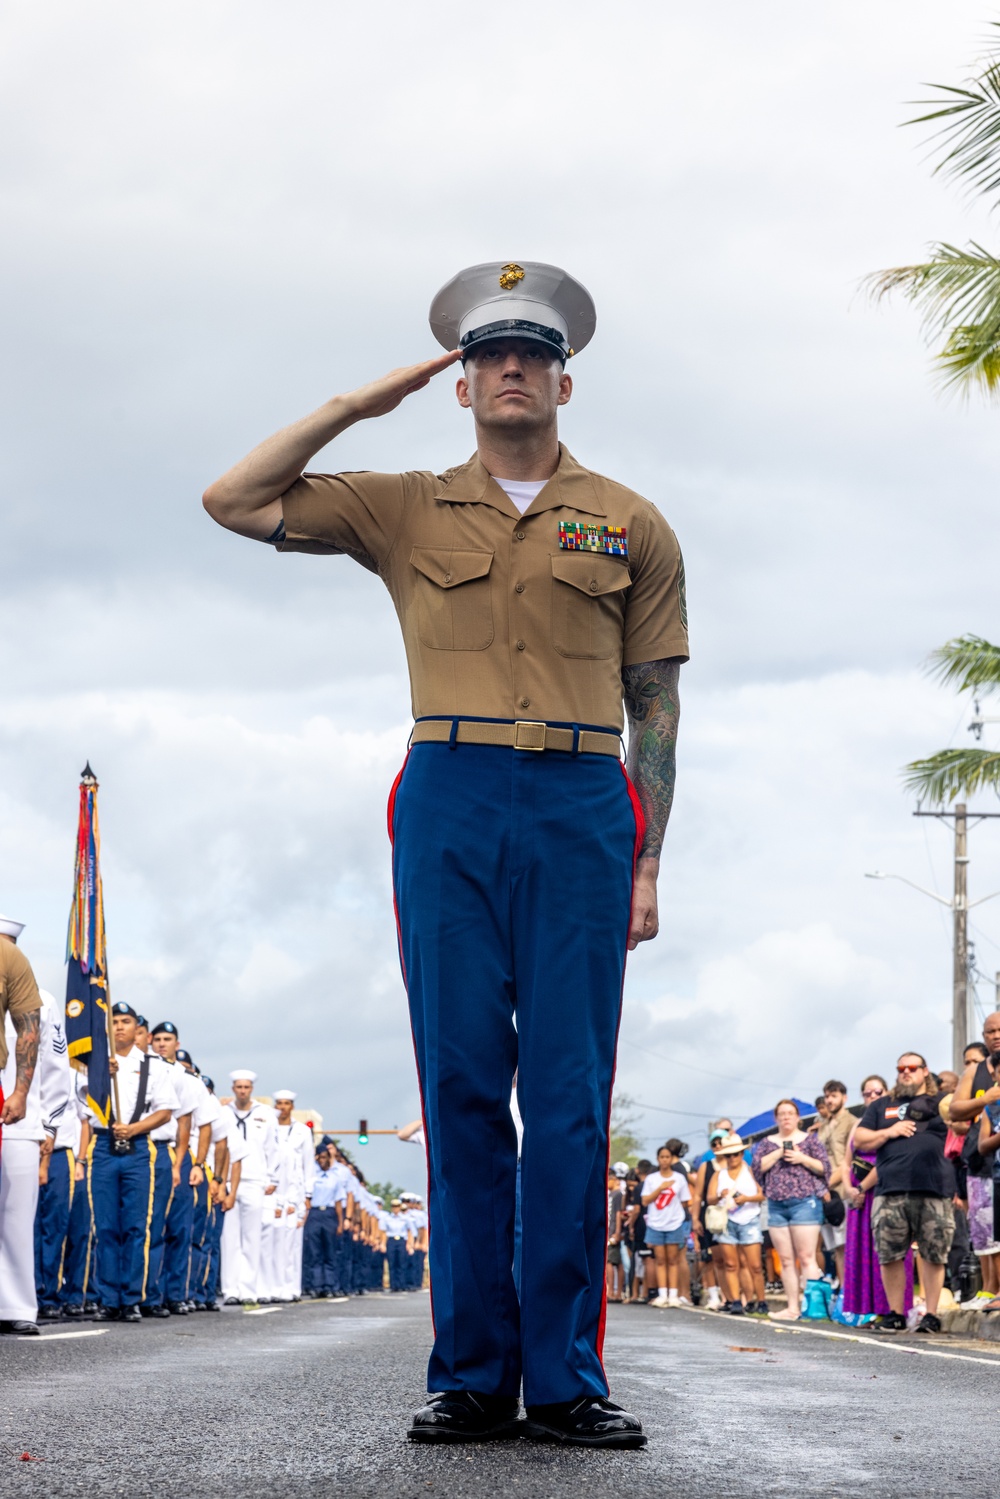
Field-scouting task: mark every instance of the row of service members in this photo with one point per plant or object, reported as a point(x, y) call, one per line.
point(144, 1218)
point(183, 1198)
point(350, 1236)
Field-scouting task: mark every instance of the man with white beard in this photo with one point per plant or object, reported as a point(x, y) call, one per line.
point(296, 1167)
point(243, 1229)
point(49, 1094)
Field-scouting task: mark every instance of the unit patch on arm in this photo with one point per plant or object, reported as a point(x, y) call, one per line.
point(577, 536)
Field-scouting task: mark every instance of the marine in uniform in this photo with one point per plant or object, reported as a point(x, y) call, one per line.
point(535, 597)
point(121, 1169)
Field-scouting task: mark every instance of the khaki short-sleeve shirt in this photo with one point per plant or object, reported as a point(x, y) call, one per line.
point(500, 618)
point(18, 991)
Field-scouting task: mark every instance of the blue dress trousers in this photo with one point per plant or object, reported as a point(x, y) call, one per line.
point(512, 874)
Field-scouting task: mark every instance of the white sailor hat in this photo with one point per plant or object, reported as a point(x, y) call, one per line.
point(11, 928)
point(242, 1075)
point(284, 1093)
point(511, 299)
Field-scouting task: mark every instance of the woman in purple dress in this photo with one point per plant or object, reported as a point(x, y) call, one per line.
point(863, 1291)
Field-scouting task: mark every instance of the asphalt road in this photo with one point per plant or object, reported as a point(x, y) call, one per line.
point(313, 1400)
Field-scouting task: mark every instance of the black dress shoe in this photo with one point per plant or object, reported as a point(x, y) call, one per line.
point(20, 1329)
point(131, 1314)
point(232, 1301)
point(50, 1314)
point(587, 1422)
point(90, 1307)
point(107, 1314)
point(211, 1306)
point(156, 1311)
point(178, 1308)
point(73, 1313)
point(461, 1416)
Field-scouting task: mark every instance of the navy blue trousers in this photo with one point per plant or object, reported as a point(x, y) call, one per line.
point(199, 1235)
point(395, 1250)
point(79, 1278)
point(163, 1187)
point(177, 1239)
point(121, 1191)
point(213, 1242)
point(512, 874)
point(322, 1242)
point(51, 1226)
point(415, 1276)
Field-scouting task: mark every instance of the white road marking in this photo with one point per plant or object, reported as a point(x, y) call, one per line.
point(88, 1332)
point(259, 1311)
point(847, 1337)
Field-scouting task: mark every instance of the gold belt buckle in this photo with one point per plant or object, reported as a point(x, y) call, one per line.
point(528, 735)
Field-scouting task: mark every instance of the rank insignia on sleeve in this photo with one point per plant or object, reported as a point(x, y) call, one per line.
point(577, 536)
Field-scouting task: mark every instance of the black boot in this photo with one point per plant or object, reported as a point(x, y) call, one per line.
point(587, 1422)
point(461, 1416)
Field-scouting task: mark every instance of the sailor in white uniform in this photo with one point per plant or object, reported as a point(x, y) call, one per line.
point(296, 1168)
point(243, 1229)
point(49, 1097)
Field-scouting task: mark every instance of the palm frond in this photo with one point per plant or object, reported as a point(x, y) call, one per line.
point(952, 773)
point(968, 663)
point(958, 295)
point(970, 136)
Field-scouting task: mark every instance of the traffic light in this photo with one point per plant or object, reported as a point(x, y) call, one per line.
point(363, 1132)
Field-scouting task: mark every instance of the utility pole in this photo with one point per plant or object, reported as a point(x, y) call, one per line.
point(960, 954)
point(962, 1021)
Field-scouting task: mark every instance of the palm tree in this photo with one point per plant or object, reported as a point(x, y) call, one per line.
point(971, 664)
point(958, 290)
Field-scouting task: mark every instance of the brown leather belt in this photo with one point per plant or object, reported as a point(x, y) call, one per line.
point(523, 735)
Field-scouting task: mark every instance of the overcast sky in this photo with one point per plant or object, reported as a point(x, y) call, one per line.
point(217, 216)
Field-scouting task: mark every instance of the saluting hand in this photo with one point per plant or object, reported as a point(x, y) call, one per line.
point(381, 396)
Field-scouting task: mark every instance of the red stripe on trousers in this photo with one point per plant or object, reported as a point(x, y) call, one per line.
point(390, 816)
point(640, 833)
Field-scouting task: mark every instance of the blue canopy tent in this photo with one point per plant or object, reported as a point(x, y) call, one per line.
point(762, 1124)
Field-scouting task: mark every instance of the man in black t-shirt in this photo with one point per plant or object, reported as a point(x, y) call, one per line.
point(914, 1190)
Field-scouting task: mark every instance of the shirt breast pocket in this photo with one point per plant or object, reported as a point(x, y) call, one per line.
point(588, 604)
point(452, 598)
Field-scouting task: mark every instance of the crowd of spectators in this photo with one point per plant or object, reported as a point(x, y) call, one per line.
point(878, 1213)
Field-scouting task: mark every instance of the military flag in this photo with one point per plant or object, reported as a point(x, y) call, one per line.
point(86, 972)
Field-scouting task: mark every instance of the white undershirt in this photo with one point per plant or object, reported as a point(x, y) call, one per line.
point(521, 491)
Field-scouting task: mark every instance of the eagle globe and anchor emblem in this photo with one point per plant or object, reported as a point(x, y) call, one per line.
point(510, 275)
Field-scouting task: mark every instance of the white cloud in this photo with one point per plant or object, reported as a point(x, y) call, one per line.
point(226, 215)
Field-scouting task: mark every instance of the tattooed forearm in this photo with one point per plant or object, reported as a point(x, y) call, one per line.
point(652, 703)
point(26, 1047)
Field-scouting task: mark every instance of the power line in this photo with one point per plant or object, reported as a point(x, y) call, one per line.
point(690, 1067)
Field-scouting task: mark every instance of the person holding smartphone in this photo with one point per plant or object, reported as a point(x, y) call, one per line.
point(794, 1169)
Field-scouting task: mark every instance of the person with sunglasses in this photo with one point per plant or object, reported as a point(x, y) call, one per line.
point(914, 1189)
point(864, 1294)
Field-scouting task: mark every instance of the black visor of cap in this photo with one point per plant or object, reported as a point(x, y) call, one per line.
point(515, 328)
point(164, 1025)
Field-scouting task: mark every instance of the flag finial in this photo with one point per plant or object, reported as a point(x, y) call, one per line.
point(88, 776)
